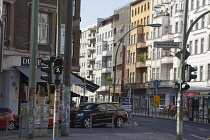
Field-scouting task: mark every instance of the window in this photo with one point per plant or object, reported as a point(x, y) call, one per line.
point(175, 74)
point(145, 21)
point(142, 9)
point(138, 10)
point(102, 107)
point(190, 47)
point(153, 73)
point(201, 73)
point(196, 46)
point(5, 18)
point(192, 4)
point(204, 2)
point(176, 8)
point(43, 28)
point(132, 13)
point(145, 7)
point(111, 107)
point(202, 45)
point(208, 71)
point(198, 4)
point(195, 73)
point(203, 22)
point(148, 6)
point(196, 26)
point(148, 20)
point(171, 11)
point(176, 27)
point(158, 74)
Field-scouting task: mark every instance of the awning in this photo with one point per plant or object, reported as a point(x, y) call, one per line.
point(25, 71)
point(73, 94)
point(89, 85)
point(75, 79)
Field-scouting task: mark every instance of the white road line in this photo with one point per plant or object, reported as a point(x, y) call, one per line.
point(197, 137)
point(202, 129)
point(187, 125)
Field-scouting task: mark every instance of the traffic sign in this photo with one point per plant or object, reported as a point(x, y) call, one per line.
point(156, 100)
point(109, 80)
point(156, 83)
point(166, 44)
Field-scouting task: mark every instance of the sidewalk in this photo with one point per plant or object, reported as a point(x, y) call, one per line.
point(106, 136)
point(128, 132)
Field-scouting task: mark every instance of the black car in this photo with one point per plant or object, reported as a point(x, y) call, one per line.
point(102, 113)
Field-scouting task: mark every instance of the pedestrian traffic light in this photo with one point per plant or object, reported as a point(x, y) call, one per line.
point(185, 86)
point(48, 69)
point(58, 65)
point(176, 85)
point(188, 70)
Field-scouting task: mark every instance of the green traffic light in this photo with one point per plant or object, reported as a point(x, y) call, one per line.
point(57, 70)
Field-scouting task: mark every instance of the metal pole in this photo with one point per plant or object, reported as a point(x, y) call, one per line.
point(33, 65)
point(84, 91)
point(67, 70)
point(179, 124)
point(57, 76)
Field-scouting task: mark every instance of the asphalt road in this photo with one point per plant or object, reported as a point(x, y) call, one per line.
point(191, 130)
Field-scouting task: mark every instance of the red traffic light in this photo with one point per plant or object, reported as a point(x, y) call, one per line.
point(58, 62)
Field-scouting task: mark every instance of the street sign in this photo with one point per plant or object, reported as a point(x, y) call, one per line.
point(158, 44)
point(109, 80)
point(178, 54)
point(156, 83)
point(156, 100)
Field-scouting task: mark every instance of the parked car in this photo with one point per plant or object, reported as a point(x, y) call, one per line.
point(6, 114)
point(73, 111)
point(101, 114)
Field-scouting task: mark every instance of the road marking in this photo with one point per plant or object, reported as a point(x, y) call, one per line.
point(202, 129)
point(187, 125)
point(197, 137)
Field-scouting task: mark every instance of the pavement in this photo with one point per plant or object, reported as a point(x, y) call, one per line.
point(109, 134)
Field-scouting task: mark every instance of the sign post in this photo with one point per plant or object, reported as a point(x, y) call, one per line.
point(156, 100)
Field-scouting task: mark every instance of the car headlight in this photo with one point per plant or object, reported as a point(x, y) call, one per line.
point(80, 114)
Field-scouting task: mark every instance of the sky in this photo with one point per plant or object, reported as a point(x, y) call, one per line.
point(93, 9)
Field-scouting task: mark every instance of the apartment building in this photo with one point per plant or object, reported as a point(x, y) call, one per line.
point(137, 51)
point(121, 25)
point(87, 59)
point(16, 17)
point(162, 63)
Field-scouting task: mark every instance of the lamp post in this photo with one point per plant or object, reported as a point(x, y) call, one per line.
point(114, 67)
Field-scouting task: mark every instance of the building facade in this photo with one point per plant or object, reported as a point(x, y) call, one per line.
point(16, 50)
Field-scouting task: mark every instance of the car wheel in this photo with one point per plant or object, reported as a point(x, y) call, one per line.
point(86, 123)
point(119, 122)
point(11, 125)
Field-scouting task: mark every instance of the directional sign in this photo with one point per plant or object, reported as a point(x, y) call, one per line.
point(166, 44)
point(109, 80)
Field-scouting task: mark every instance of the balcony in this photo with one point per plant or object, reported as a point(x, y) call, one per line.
point(104, 88)
point(107, 53)
point(161, 14)
point(106, 70)
point(141, 45)
point(168, 37)
point(148, 62)
point(91, 58)
point(91, 36)
point(91, 47)
point(140, 64)
point(90, 68)
point(167, 59)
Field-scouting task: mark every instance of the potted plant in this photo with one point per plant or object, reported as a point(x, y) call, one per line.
point(141, 57)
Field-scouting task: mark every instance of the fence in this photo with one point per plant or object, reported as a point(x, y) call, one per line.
point(170, 114)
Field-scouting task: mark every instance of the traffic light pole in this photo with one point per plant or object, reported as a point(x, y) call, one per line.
point(32, 73)
point(57, 76)
point(66, 93)
point(180, 103)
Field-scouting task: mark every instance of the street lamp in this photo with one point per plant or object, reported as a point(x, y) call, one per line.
point(114, 68)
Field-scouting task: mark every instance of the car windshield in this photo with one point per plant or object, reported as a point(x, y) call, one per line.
point(87, 107)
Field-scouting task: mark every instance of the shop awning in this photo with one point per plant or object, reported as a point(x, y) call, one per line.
point(75, 79)
point(25, 71)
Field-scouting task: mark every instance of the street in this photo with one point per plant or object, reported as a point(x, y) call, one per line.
point(143, 126)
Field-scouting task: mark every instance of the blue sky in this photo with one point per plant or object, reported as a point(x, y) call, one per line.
point(93, 9)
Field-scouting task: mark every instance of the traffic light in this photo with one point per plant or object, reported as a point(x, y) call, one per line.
point(58, 65)
point(48, 69)
point(185, 86)
point(176, 85)
point(188, 70)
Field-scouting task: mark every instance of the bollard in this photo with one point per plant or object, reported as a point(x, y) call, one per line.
point(133, 124)
point(112, 123)
point(7, 126)
point(91, 117)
